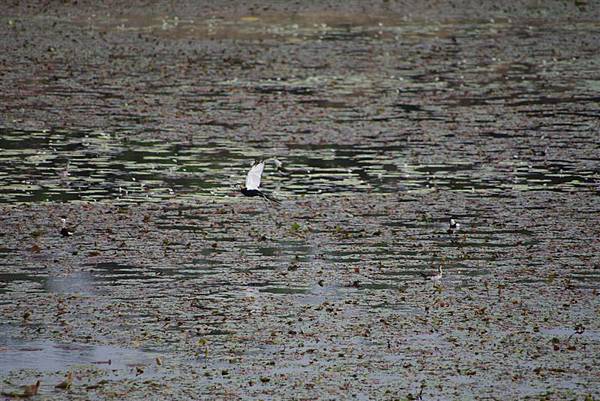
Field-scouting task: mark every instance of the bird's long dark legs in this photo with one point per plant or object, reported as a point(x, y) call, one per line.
point(269, 205)
point(270, 199)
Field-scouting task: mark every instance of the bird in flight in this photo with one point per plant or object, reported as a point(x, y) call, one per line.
point(253, 182)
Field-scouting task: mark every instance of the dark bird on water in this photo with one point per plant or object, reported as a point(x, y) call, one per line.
point(253, 182)
point(64, 231)
point(453, 227)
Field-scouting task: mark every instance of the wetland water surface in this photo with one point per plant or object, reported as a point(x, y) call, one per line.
point(387, 128)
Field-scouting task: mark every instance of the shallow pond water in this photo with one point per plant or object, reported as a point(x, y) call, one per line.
point(48, 356)
point(387, 127)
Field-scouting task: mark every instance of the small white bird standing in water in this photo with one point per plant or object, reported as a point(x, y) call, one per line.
point(253, 182)
point(436, 278)
point(279, 167)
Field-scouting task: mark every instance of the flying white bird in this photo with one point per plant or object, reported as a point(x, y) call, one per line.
point(253, 182)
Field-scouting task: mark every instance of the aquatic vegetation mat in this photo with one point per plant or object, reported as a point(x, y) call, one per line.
point(139, 128)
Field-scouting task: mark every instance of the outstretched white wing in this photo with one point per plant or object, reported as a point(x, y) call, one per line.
point(253, 177)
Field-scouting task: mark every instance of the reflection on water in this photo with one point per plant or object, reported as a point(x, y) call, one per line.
point(93, 166)
point(32, 281)
point(49, 356)
point(417, 107)
point(75, 283)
